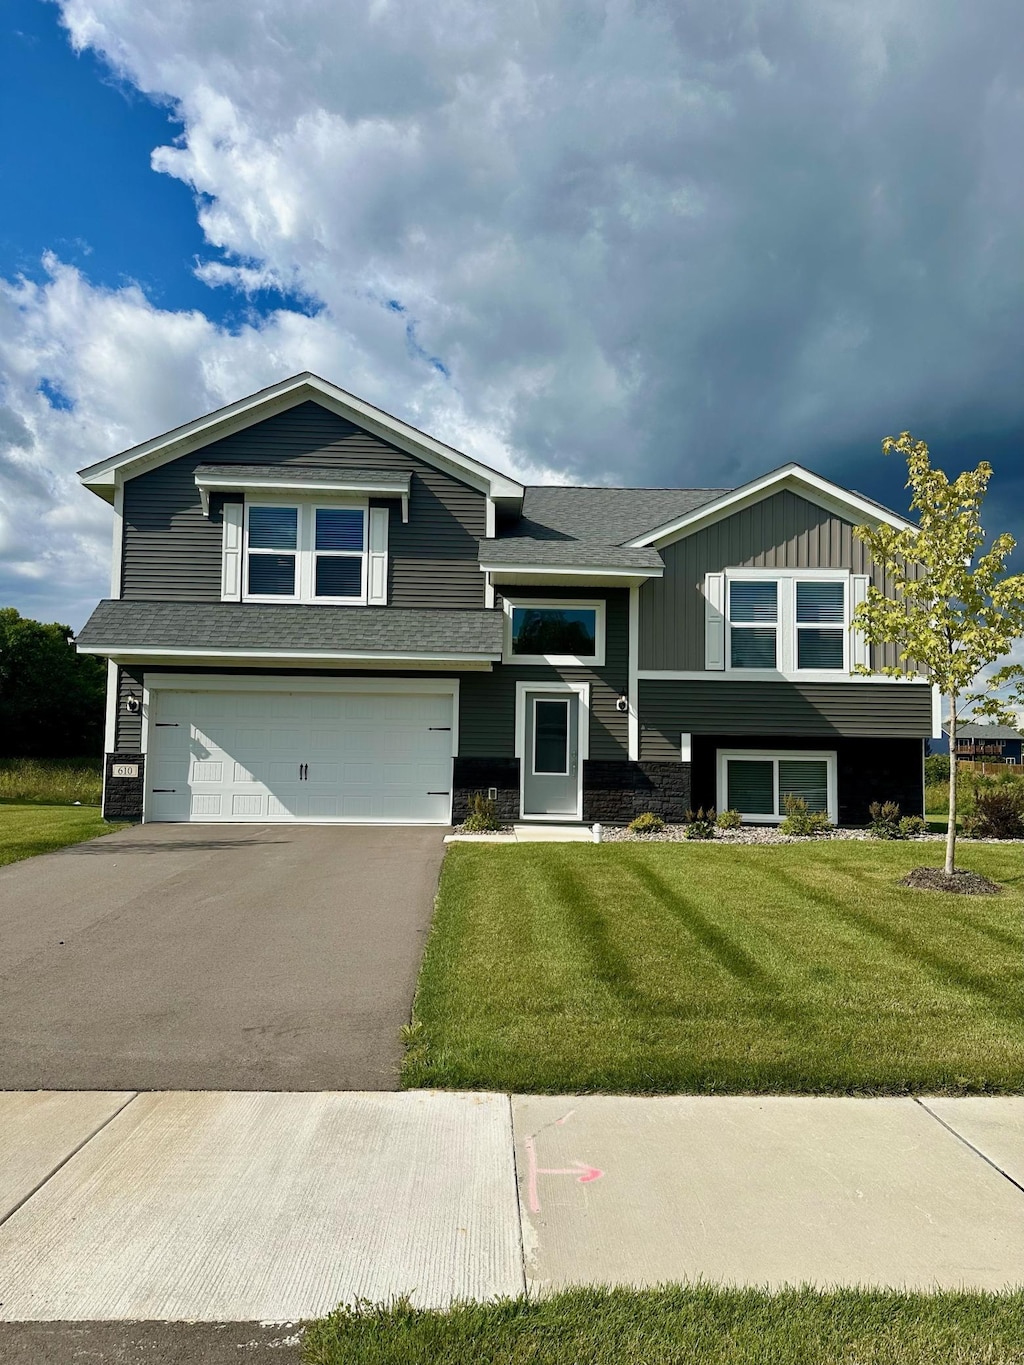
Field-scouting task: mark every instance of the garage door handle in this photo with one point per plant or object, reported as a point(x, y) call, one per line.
point(440, 727)
point(303, 772)
point(439, 793)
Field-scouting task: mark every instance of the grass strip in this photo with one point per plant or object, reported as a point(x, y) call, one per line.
point(26, 830)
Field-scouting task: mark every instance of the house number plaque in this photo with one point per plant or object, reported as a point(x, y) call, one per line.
point(124, 770)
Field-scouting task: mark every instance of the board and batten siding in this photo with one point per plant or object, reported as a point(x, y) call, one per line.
point(488, 700)
point(172, 552)
point(783, 531)
point(722, 706)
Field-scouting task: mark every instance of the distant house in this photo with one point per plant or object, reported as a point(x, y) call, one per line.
point(982, 743)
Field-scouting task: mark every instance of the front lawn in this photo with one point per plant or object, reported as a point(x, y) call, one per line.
point(686, 968)
point(27, 830)
point(695, 1324)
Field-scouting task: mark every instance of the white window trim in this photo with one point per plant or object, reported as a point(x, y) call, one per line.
point(523, 692)
point(595, 604)
point(828, 755)
point(786, 624)
point(305, 551)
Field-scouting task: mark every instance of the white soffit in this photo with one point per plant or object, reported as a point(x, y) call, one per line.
point(289, 393)
point(831, 496)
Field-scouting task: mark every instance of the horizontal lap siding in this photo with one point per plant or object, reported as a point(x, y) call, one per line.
point(783, 531)
point(487, 725)
point(720, 706)
point(172, 552)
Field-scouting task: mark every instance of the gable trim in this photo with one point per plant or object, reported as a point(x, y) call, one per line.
point(823, 492)
point(278, 398)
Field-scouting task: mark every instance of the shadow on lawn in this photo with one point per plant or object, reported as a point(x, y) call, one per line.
point(950, 972)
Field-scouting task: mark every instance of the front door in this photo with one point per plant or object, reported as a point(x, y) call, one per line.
point(551, 768)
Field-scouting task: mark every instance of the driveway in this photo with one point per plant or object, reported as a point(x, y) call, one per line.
point(176, 957)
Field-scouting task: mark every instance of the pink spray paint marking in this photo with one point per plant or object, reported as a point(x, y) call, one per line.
point(584, 1174)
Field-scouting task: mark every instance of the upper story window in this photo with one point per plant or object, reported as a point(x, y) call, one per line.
point(565, 633)
point(305, 553)
point(788, 622)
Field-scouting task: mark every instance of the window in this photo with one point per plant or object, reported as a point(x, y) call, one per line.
point(305, 553)
point(787, 621)
point(757, 784)
point(753, 623)
point(554, 632)
point(551, 736)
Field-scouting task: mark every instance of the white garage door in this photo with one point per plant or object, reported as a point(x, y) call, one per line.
point(286, 756)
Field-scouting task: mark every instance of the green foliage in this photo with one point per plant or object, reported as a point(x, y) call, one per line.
point(51, 697)
point(52, 781)
point(28, 830)
point(801, 820)
point(936, 768)
point(729, 819)
point(913, 826)
point(700, 824)
point(483, 815)
point(647, 823)
point(998, 814)
point(885, 820)
point(953, 608)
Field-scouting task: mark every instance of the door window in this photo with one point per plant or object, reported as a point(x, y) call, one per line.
point(551, 736)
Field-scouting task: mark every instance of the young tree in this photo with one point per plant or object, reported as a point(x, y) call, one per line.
point(955, 610)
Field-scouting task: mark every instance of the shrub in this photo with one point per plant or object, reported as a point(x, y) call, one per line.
point(647, 823)
point(801, 820)
point(700, 824)
point(998, 814)
point(729, 819)
point(483, 815)
point(885, 820)
point(912, 826)
point(936, 769)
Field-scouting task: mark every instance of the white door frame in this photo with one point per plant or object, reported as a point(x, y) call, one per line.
point(523, 692)
point(225, 682)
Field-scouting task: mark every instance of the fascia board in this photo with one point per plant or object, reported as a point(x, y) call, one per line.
point(831, 496)
point(134, 654)
point(279, 398)
point(572, 570)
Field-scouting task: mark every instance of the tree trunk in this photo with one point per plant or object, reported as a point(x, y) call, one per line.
point(951, 831)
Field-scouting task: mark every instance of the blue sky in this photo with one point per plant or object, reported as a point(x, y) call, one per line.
point(623, 242)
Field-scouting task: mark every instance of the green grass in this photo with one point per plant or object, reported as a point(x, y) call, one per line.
point(51, 781)
point(684, 1325)
point(681, 968)
point(26, 830)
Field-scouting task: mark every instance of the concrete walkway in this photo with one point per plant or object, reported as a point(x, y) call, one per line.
point(235, 1207)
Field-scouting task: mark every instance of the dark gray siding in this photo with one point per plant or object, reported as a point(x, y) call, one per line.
point(783, 531)
point(173, 552)
point(128, 727)
point(721, 706)
point(487, 723)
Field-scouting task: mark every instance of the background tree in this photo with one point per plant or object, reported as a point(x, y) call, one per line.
point(51, 697)
point(956, 610)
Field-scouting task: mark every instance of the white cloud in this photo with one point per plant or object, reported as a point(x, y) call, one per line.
point(634, 241)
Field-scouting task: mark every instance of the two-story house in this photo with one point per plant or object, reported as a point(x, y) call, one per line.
point(319, 613)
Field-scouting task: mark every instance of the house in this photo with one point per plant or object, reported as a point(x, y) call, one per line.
point(982, 743)
point(319, 613)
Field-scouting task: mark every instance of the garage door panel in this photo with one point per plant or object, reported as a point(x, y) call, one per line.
point(237, 756)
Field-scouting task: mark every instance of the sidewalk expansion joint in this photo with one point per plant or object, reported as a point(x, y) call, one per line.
point(969, 1145)
point(519, 1202)
point(70, 1156)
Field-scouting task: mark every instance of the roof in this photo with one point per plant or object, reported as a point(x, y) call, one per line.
point(293, 473)
point(569, 553)
point(103, 476)
point(605, 516)
point(974, 731)
point(131, 626)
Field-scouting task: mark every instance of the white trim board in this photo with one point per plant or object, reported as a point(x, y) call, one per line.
point(829, 756)
point(289, 393)
point(632, 678)
point(831, 496)
point(770, 675)
point(594, 604)
point(304, 488)
point(131, 654)
point(582, 691)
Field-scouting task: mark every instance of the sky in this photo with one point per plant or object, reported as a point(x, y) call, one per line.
point(655, 242)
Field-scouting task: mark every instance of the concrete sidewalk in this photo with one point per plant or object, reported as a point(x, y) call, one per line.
point(235, 1207)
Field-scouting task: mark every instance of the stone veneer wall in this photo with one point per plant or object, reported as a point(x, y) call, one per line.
point(616, 792)
point(471, 775)
point(122, 796)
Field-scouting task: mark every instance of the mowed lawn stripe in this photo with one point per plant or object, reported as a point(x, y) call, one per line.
point(666, 968)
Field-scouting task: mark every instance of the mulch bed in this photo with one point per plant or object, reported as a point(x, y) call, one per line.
point(963, 883)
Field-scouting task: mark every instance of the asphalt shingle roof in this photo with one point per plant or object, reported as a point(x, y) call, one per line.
point(975, 731)
point(572, 553)
point(604, 516)
point(293, 473)
point(150, 626)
